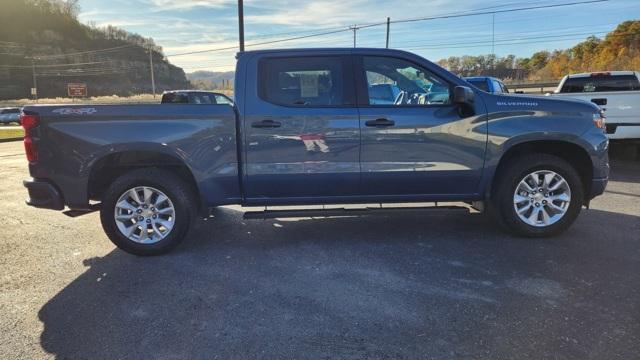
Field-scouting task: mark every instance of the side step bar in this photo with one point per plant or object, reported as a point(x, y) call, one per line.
point(339, 212)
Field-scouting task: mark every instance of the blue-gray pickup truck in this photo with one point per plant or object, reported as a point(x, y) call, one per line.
point(303, 130)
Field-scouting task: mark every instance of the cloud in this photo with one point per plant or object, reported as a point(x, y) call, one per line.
point(344, 12)
point(165, 5)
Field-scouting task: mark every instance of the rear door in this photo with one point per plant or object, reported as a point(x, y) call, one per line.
point(421, 144)
point(301, 129)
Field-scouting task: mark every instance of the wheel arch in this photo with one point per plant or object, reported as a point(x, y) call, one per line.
point(573, 153)
point(104, 170)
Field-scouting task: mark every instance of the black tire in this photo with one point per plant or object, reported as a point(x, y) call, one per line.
point(172, 186)
point(502, 201)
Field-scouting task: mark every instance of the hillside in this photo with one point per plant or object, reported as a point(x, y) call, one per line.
point(618, 50)
point(46, 35)
point(211, 79)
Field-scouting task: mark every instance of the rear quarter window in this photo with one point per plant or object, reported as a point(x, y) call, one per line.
point(601, 83)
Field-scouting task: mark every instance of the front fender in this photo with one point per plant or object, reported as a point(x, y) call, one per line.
point(507, 129)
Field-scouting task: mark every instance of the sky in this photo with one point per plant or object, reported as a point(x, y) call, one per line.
point(181, 26)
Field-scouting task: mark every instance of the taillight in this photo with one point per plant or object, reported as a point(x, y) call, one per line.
point(29, 122)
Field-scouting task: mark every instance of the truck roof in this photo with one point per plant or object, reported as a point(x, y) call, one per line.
point(480, 78)
point(613, 73)
point(349, 50)
point(192, 91)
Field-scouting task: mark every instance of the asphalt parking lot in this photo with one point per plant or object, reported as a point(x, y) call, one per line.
point(403, 286)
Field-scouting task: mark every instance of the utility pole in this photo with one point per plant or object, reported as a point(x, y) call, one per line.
point(153, 80)
point(241, 24)
point(354, 28)
point(35, 83)
point(388, 26)
point(493, 43)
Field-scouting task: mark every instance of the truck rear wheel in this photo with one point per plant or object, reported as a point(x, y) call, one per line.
point(537, 195)
point(147, 211)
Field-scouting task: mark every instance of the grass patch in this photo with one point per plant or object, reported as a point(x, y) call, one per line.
point(11, 133)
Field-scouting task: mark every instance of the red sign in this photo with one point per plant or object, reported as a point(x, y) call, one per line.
point(77, 90)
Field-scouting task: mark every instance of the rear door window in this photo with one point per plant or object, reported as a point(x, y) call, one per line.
point(202, 98)
point(600, 83)
point(305, 81)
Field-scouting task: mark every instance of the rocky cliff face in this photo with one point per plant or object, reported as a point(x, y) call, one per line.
point(44, 37)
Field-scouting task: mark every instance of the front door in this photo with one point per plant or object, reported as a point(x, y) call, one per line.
point(414, 140)
point(302, 131)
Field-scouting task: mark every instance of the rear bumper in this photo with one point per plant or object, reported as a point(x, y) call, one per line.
point(43, 194)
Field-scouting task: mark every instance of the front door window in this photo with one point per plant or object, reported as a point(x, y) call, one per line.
point(392, 81)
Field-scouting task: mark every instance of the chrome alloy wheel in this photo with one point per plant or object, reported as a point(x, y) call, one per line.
point(144, 215)
point(542, 198)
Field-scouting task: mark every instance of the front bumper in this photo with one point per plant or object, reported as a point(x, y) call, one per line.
point(597, 187)
point(43, 194)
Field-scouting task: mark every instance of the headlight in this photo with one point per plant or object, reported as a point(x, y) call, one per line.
point(599, 120)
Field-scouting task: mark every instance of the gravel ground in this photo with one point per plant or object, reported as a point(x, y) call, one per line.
point(403, 286)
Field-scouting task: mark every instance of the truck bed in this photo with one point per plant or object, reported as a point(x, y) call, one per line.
point(72, 141)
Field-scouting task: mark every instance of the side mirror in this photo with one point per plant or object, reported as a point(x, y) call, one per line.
point(463, 95)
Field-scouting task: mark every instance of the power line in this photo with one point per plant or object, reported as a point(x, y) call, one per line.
point(514, 39)
point(261, 43)
point(357, 27)
point(496, 11)
point(56, 65)
point(503, 41)
point(39, 57)
point(333, 30)
point(506, 42)
point(545, 31)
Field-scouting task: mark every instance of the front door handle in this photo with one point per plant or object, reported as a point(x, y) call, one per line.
point(380, 122)
point(266, 124)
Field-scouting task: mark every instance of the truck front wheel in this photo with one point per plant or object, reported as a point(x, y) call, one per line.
point(537, 195)
point(147, 211)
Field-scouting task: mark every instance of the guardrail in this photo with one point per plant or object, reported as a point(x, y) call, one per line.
point(533, 85)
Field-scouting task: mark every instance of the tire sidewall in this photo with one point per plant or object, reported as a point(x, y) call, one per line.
point(516, 173)
point(164, 181)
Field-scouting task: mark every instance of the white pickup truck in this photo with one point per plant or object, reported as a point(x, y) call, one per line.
point(616, 92)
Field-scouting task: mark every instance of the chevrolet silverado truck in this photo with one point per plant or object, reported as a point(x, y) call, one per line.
point(488, 84)
point(304, 130)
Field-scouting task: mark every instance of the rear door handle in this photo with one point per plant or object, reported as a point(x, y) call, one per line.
point(266, 124)
point(380, 122)
point(600, 101)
